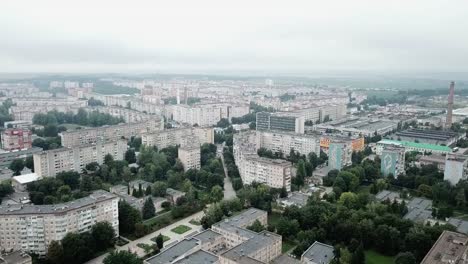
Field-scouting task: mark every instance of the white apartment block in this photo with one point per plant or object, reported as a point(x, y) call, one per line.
point(284, 142)
point(49, 163)
point(70, 84)
point(205, 114)
point(456, 168)
point(275, 173)
point(124, 101)
point(319, 113)
point(31, 228)
point(110, 133)
point(190, 156)
point(178, 136)
point(129, 115)
point(26, 108)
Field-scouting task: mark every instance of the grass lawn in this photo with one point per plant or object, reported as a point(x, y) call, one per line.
point(287, 245)
point(181, 229)
point(273, 218)
point(373, 257)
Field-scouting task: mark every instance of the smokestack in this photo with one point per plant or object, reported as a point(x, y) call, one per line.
point(448, 122)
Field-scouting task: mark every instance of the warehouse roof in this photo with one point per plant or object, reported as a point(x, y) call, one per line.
point(416, 145)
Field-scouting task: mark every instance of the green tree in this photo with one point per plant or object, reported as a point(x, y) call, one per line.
point(256, 226)
point(76, 248)
point(122, 257)
point(29, 163)
point(148, 209)
point(104, 235)
point(405, 258)
point(55, 252)
point(128, 217)
point(17, 165)
point(216, 193)
point(159, 189)
point(130, 156)
point(160, 241)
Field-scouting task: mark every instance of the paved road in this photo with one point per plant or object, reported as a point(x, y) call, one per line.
point(132, 246)
point(229, 192)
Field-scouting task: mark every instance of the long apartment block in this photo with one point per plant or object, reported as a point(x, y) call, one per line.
point(178, 136)
point(31, 228)
point(49, 163)
point(278, 141)
point(110, 133)
point(275, 173)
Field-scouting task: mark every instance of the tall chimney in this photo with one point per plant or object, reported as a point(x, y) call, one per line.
point(448, 122)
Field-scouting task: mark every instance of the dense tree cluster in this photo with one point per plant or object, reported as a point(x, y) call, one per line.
point(5, 189)
point(77, 248)
point(4, 111)
point(122, 257)
point(356, 221)
point(84, 118)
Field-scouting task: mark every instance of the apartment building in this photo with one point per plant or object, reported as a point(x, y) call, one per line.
point(205, 114)
point(392, 161)
point(227, 242)
point(26, 107)
point(281, 121)
point(357, 143)
point(339, 155)
point(190, 156)
point(178, 136)
point(456, 168)
point(275, 173)
point(129, 115)
point(450, 247)
point(32, 228)
point(49, 163)
point(322, 113)
point(126, 101)
point(16, 139)
point(278, 141)
point(110, 133)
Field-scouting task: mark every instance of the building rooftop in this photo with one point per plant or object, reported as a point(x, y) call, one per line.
point(419, 210)
point(295, 198)
point(319, 253)
point(460, 224)
point(14, 257)
point(449, 248)
point(387, 195)
point(199, 256)
point(285, 259)
point(415, 145)
point(26, 178)
point(207, 236)
point(178, 250)
point(255, 243)
point(96, 196)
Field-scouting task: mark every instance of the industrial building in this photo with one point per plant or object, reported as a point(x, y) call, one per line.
point(359, 126)
point(412, 146)
point(435, 137)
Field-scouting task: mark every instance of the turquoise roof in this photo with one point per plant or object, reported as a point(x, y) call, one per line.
point(416, 145)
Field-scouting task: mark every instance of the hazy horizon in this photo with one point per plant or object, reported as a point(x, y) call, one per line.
point(300, 38)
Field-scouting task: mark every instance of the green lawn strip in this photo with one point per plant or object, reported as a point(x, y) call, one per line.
point(287, 246)
point(373, 257)
point(181, 229)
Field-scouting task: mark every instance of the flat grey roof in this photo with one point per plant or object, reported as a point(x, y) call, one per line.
point(285, 259)
point(255, 243)
point(207, 236)
point(384, 195)
point(96, 196)
point(174, 252)
point(296, 198)
point(319, 253)
point(460, 224)
point(198, 257)
point(419, 209)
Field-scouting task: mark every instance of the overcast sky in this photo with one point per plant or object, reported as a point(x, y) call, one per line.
point(268, 37)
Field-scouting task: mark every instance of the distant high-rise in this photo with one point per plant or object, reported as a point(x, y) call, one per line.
point(448, 122)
